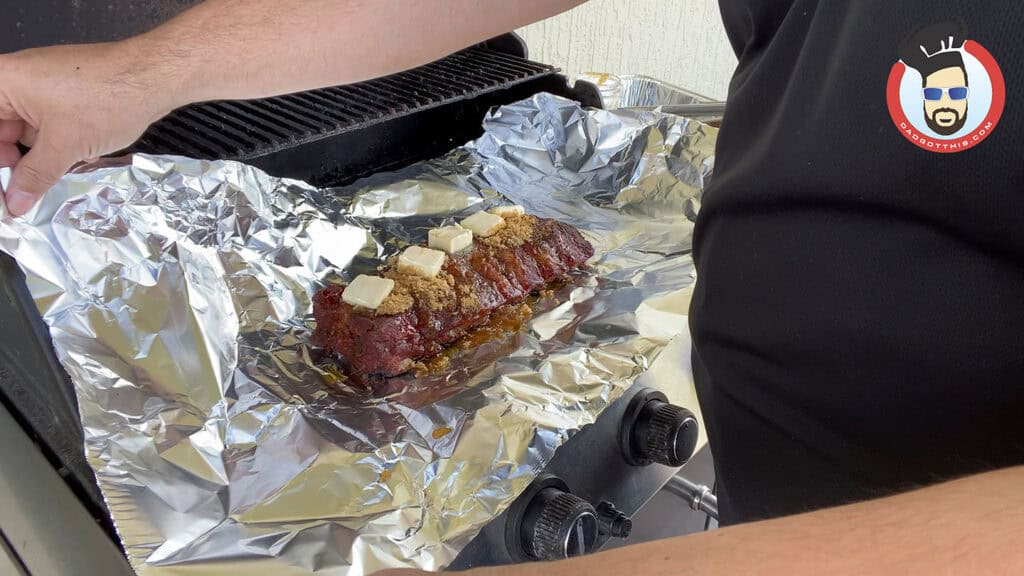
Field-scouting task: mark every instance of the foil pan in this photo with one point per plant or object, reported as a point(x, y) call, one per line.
point(641, 91)
point(177, 294)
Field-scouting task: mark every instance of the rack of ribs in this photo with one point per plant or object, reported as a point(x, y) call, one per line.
point(427, 299)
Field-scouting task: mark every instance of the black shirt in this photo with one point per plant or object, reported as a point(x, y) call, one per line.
point(45, 22)
point(859, 313)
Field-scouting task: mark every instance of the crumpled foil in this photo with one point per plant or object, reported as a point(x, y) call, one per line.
point(177, 293)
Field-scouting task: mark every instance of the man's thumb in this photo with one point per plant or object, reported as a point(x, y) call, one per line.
point(34, 174)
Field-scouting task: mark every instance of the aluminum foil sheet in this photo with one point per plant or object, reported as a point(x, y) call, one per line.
point(177, 293)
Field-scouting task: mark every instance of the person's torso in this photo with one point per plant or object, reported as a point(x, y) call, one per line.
point(859, 315)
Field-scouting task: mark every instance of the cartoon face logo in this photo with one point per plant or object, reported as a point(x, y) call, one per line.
point(946, 93)
point(945, 99)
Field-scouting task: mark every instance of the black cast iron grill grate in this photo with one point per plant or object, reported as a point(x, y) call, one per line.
point(305, 126)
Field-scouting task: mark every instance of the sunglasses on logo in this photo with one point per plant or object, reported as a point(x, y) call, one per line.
point(935, 94)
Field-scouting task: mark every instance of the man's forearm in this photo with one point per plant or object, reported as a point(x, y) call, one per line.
point(970, 526)
point(256, 48)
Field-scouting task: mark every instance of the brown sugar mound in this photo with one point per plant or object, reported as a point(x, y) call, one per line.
point(518, 230)
point(397, 302)
point(437, 293)
point(432, 293)
point(468, 300)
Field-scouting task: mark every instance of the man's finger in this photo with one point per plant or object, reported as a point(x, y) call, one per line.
point(11, 130)
point(36, 173)
point(28, 136)
point(9, 155)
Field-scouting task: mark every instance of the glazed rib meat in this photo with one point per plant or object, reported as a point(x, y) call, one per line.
point(421, 321)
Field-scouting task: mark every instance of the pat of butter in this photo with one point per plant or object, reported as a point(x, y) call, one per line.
point(483, 224)
point(451, 239)
point(508, 211)
point(421, 261)
point(368, 291)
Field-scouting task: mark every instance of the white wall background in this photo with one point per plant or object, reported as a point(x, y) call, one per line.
point(679, 41)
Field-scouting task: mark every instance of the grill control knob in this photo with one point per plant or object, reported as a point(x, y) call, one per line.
point(655, 431)
point(558, 525)
point(548, 522)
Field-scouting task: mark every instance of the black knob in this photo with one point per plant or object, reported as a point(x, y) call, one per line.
point(558, 525)
point(671, 434)
point(656, 431)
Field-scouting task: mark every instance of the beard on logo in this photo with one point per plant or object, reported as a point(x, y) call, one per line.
point(945, 121)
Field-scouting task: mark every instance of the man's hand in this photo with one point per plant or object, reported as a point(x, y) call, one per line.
point(69, 103)
point(77, 102)
point(969, 526)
